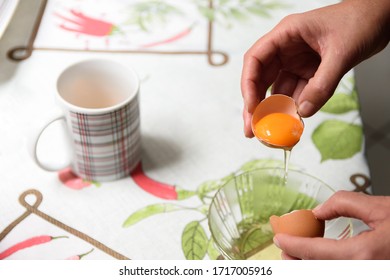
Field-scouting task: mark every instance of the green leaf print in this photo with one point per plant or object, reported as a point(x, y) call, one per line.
point(259, 11)
point(146, 14)
point(228, 11)
point(148, 211)
point(260, 236)
point(341, 103)
point(212, 185)
point(207, 187)
point(212, 251)
point(337, 139)
point(194, 241)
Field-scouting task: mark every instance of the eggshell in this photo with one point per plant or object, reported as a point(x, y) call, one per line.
point(276, 103)
point(298, 223)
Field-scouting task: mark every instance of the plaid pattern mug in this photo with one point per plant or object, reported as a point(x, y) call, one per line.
point(100, 106)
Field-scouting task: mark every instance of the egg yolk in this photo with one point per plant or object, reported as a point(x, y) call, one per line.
point(279, 129)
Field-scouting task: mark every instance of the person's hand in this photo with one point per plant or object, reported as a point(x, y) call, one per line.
point(306, 55)
point(370, 244)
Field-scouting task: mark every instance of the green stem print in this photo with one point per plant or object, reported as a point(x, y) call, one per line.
point(336, 139)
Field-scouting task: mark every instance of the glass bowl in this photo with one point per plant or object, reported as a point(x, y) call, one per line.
point(240, 210)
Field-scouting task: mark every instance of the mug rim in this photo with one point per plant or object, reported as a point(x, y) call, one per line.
point(131, 96)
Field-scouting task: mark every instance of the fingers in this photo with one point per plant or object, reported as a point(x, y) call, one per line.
point(259, 71)
point(287, 257)
point(247, 123)
point(289, 84)
point(343, 203)
point(285, 83)
point(313, 248)
point(251, 88)
point(347, 204)
point(321, 86)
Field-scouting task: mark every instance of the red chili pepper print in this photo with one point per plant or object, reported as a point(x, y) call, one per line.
point(34, 241)
point(151, 186)
point(83, 24)
point(79, 257)
point(71, 180)
point(170, 39)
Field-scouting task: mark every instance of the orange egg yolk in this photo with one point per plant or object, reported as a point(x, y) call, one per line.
point(279, 129)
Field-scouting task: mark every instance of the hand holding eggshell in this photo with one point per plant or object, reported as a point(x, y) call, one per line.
point(301, 223)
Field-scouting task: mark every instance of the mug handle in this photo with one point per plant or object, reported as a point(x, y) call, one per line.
point(35, 143)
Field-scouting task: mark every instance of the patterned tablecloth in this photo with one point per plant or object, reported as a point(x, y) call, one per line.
point(189, 56)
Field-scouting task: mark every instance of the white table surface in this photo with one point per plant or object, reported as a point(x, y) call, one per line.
point(192, 133)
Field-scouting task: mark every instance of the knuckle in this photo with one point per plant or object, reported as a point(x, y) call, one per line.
point(321, 88)
point(289, 19)
point(248, 55)
point(341, 195)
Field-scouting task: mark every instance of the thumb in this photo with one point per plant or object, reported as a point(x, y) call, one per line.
point(321, 86)
point(346, 204)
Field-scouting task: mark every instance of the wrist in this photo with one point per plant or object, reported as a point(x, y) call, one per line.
point(376, 14)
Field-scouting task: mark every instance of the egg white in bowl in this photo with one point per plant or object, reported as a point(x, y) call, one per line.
point(239, 213)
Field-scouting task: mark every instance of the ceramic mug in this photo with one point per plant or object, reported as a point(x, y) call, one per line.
point(99, 100)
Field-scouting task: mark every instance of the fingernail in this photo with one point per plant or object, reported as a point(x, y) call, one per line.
point(306, 108)
point(276, 242)
point(317, 208)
